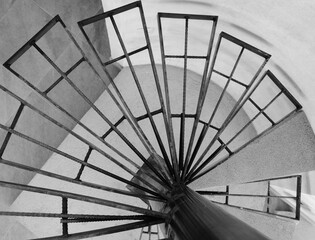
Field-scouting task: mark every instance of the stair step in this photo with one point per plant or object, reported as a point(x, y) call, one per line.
point(274, 227)
point(284, 150)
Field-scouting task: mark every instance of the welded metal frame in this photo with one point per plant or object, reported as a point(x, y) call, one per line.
point(150, 192)
point(182, 169)
point(282, 90)
point(182, 161)
point(32, 42)
point(244, 46)
point(171, 164)
point(227, 193)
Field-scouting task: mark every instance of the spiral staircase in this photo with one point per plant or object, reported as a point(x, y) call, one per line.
point(132, 165)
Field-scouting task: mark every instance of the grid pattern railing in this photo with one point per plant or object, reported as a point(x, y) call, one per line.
point(153, 169)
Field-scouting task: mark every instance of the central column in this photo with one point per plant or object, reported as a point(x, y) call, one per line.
point(194, 217)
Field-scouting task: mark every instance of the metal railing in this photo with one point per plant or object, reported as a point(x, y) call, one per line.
point(228, 195)
point(183, 164)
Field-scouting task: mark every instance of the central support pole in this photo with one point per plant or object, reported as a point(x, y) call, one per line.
point(194, 217)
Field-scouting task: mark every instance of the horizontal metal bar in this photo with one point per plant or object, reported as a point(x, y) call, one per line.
point(253, 210)
point(80, 197)
point(106, 218)
point(261, 111)
point(109, 13)
point(245, 45)
point(30, 42)
point(72, 133)
point(69, 216)
point(232, 79)
point(209, 125)
point(142, 117)
point(146, 115)
point(124, 56)
point(275, 178)
point(183, 56)
point(178, 115)
point(106, 231)
point(217, 193)
point(70, 157)
point(67, 73)
point(189, 16)
point(79, 182)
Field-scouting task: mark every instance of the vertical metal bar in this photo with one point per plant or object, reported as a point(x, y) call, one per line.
point(86, 158)
point(138, 86)
point(168, 106)
point(202, 94)
point(133, 123)
point(141, 232)
point(268, 199)
point(134, 76)
point(233, 112)
point(227, 194)
point(13, 124)
point(205, 129)
point(64, 211)
point(298, 197)
point(158, 231)
point(96, 109)
point(182, 122)
point(158, 87)
point(149, 230)
point(130, 118)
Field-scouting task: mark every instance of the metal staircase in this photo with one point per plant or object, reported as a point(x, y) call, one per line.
point(151, 135)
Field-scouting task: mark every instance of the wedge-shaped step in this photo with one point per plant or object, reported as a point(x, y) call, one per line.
point(283, 150)
point(276, 228)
